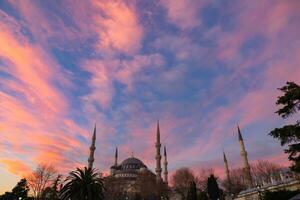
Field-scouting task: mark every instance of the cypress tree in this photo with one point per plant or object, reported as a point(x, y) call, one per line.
point(213, 188)
point(192, 191)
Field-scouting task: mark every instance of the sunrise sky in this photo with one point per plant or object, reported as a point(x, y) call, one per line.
point(199, 67)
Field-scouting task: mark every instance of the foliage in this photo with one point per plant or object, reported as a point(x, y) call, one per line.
point(52, 193)
point(181, 180)
point(263, 170)
point(7, 196)
point(290, 100)
point(19, 191)
point(83, 184)
point(289, 134)
point(42, 177)
point(192, 191)
point(237, 182)
point(202, 196)
point(213, 188)
point(201, 179)
point(279, 195)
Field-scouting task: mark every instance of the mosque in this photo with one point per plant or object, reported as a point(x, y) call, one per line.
point(132, 178)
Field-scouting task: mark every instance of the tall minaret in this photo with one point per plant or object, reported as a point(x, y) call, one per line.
point(158, 156)
point(226, 169)
point(247, 171)
point(116, 157)
point(92, 150)
point(165, 166)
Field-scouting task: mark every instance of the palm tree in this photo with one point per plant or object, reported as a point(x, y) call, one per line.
point(83, 184)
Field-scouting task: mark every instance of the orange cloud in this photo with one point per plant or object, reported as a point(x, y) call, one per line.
point(33, 109)
point(30, 66)
point(16, 167)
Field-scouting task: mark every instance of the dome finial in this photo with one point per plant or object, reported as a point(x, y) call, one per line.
point(132, 154)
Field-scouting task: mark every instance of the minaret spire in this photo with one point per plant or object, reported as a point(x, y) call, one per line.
point(158, 156)
point(165, 166)
point(92, 150)
point(244, 156)
point(226, 169)
point(116, 157)
point(239, 133)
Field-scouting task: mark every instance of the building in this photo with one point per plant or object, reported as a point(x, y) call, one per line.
point(132, 178)
point(283, 180)
point(287, 181)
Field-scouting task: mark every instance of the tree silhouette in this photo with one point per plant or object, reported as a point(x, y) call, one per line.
point(192, 191)
point(19, 191)
point(213, 188)
point(83, 184)
point(289, 134)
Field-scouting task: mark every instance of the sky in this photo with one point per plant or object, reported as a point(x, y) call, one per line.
point(199, 67)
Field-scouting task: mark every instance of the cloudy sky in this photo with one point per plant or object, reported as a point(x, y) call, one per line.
point(199, 67)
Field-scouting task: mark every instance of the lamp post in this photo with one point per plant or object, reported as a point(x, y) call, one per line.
point(258, 190)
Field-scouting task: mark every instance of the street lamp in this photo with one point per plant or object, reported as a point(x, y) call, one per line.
point(232, 195)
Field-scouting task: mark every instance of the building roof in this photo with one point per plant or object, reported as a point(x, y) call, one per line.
point(132, 163)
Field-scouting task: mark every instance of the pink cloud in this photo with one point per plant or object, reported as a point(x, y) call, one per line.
point(107, 71)
point(183, 13)
point(265, 18)
point(118, 26)
point(33, 109)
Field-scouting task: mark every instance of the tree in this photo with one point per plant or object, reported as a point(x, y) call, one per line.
point(52, 192)
point(7, 196)
point(42, 177)
point(289, 134)
point(202, 196)
point(213, 188)
point(192, 191)
point(237, 182)
point(203, 175)
point(181, 180)
point(21, 189)
point(264, 170)
point(83, 184)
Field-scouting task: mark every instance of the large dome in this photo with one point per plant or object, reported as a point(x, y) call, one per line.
point(132, 163)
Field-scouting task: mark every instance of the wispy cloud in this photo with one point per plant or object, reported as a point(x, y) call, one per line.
point(65, 66)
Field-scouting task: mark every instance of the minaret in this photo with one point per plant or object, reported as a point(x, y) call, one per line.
point(247, 171)
point(226, 169)
point(158, 156)
point(92, 150)
point(165, 166)
point(116, 157)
